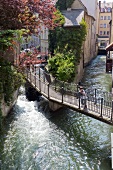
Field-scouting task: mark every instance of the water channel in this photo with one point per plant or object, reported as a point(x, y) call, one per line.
point(32, 138)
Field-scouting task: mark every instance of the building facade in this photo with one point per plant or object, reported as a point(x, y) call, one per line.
point(87, 10)
point(44, 39)
point(104, 18)
point(90, 10)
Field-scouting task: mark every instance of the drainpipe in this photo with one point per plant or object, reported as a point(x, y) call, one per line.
point(112, 87)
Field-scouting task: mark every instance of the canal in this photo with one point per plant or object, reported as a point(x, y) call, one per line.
point(32, 138)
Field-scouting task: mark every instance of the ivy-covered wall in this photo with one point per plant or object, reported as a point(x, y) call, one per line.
point(10, 80)
point(65, 45)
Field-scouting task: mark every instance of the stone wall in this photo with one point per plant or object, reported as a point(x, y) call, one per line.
point(6, 109)
point(80, 70)
point(90, 43)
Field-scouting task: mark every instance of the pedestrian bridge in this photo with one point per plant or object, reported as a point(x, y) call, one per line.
point(59, 94)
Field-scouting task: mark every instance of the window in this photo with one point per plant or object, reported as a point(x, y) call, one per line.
point(107, 32)
point(105, 25)
point(104, 17)
point(102, 10)
point(101, 17)
point(109, 9)
point(104, 33)
point(109, 17)
point(100, 32)
point(101, 25)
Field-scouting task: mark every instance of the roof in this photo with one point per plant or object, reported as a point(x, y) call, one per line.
point(90, 6)
point(73, 17)
point(109, 47)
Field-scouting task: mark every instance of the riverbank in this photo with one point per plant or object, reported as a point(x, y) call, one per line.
point(5, 109)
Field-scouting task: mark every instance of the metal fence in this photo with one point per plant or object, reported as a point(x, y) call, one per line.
point(98, 103)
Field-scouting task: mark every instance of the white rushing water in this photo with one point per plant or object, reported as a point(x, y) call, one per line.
point(33, 138)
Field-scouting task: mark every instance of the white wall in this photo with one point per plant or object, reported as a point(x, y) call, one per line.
point(91, 6)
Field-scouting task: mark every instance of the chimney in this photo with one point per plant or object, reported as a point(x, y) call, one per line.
point(68, 9)
point(99, 4)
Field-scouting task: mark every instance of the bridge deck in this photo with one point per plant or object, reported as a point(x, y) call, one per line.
point(98, 109)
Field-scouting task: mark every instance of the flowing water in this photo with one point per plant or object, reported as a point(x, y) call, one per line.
point(33, 138)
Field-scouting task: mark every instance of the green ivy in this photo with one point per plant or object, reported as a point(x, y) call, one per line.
point(59, 18)
point(62, 66)
point(1, 117)
point(9, 38)
point(6, 38)
point(66, 41)
point(10, 80)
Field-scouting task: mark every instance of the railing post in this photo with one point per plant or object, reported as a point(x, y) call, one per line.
point(48, 90)
point(77, 87)
point(95, 96)
point(30, 75)
point(35, 80)
point(112, 112)
point(35, 70)
point(39, 72)
point(79, 101)
point(95, 93)
point(62, 93)
point(27, 73)
point(63, 84)
point(35, 76)
point(39, 80)
point(101, 107)
point(55, 83)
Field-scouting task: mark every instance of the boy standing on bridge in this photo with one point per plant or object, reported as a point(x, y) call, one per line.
point(83, 97)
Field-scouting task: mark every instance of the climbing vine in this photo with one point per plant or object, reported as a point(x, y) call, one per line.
point(62, 65)
point(66, 41)
point(10, 80)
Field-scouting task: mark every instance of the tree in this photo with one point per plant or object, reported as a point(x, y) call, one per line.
point(28, 14)
point(63, 5)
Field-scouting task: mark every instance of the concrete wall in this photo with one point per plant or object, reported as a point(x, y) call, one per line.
point(6, 109)
point(54, 106)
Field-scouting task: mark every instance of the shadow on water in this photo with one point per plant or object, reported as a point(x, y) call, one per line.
point(80, 130)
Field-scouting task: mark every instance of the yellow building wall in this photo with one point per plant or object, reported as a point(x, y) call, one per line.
point(104, 22)
point(104, 32)
point(111, 30)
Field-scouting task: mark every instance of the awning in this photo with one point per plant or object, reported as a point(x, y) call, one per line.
point(109, 47)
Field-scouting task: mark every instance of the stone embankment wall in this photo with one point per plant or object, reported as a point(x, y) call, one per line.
point(80, 71)
point(6, 109)
point(82, 65)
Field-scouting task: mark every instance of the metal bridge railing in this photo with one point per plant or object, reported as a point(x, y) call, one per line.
point(98, 103)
